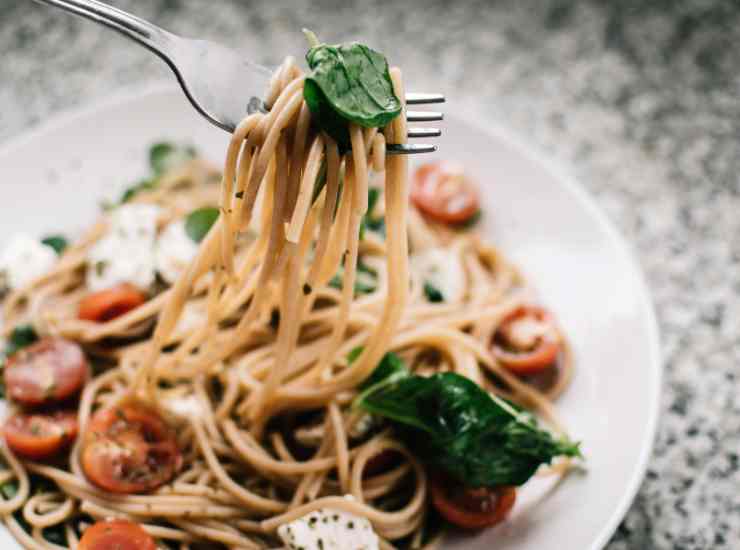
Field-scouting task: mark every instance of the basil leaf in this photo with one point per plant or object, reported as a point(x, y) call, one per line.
point(57, 242)
point(453, 425)
point(349, 83)
point(199, 222)
point(165, 156)
point(432, 293)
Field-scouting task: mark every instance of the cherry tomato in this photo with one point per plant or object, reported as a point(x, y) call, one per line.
point(527, 341)
point(471, 508)
point(116, 534)
point(129, 449)
point(110, 303)
point(443, 192)
point(49, 371)
point(40, 436)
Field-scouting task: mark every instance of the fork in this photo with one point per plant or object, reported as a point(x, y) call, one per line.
point(216, 79)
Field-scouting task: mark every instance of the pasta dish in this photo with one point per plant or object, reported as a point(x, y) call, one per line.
point(311, 348)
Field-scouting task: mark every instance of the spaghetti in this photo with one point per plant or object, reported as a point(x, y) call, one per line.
point(246, 354)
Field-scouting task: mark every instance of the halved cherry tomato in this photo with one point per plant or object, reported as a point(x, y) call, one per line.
point(116, 534)
point(110, 303)
point(442, 191)
point(49, 371)
point(129, 449)
point(40, 436)
point(527, 341)
point(471, 508)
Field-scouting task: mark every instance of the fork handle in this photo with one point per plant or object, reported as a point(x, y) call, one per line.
point(148, 35)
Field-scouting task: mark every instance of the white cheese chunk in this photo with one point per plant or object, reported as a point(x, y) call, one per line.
point(126, 252)
point(441, 268)
point(328, 529)
point(173, 251)
point(24, 259)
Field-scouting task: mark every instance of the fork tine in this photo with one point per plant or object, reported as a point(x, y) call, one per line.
point(423, 116)
point(408, 149)
point(424, 132)
point(421, 99)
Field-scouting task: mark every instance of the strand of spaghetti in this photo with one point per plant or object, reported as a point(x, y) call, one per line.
point(352, 188)
point(254, 502)
point(59, 513)
point(297, 159)
point(379, 518)
point(330, 204)
point(282, 116)
point(340, 446)
point(227, 192)
point(303, 202)
point(11, 505)
point(290, 310)
point(378, 150)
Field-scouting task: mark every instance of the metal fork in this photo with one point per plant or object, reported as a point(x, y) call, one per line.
point(221, 85)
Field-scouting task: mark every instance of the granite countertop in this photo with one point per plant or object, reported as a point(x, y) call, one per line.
point(638, 97)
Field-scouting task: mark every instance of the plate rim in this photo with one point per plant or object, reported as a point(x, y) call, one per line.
point(529, 151)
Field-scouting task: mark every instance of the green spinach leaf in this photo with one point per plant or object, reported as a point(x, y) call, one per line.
point(164, 156)
point(369, 220)
point(138, 187)
point(454, 425)
point(57, 242)
point(22, 336)
point(432, 293)
point(365, 281)
point(199, 222)
point(348, 83)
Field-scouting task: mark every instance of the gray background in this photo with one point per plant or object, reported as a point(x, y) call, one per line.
point(637, 97)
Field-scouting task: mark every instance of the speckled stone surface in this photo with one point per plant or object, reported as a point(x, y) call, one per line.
point(639, 98)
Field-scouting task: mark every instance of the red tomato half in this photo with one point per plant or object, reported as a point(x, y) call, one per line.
point(443, 192)
point(110, 303)
point(472, 508)
point(116, 534)
point(40, 436)
point(49, 371)
point(129, 449)
point(527, 341)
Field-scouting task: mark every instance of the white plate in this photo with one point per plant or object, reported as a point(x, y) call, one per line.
point(54, 177)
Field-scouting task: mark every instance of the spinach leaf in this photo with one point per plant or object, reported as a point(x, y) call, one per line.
point(57, 242)
point(365, 281)
point(199, 222)
point(139, 186)
point(164, 156)
point(432, 293)
point(22, 336)
point(9, 489)
point(348, 83)
point(471, 221)
point(454, 425)
point(369, 221)
point(354, 354)
point(391, 369)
